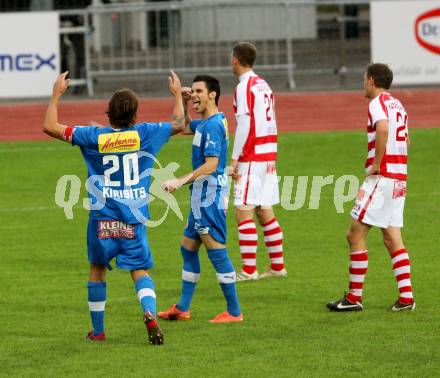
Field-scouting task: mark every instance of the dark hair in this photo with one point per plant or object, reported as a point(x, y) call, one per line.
point(122, 108)
point(212, 84)
point(245, 52)
point(381, 75)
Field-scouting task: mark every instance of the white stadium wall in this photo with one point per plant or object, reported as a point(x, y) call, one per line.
point(209, 23)
point(406, 36)
point(244, 22)
point(29, 54)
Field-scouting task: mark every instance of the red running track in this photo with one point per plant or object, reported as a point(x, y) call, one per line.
point(314, 112)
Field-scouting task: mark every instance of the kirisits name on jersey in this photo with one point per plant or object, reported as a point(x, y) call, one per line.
point(119, 142)
point(135, 193)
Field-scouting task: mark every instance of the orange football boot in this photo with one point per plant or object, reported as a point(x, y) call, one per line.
point(226, 317)
point(174, 313)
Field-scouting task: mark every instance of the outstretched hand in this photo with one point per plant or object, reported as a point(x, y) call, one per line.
point(174, 84)
point(61, 84)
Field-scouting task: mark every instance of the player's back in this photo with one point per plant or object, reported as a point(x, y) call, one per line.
point(120, 163)
point(260, 104)
point(263, 107)
point(394, 163)
point(398, 125)
point(254, 96)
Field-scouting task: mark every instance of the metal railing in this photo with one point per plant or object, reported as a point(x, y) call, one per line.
point(191, 36)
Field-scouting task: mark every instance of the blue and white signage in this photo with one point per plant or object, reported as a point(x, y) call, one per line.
point(29, 54)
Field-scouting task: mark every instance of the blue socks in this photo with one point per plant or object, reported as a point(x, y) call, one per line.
point(226, 277)
point(97, 295)
point(145, 292)
point(190, 276)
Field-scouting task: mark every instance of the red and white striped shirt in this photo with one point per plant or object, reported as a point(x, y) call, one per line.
point(394, 161)
point(254, 97)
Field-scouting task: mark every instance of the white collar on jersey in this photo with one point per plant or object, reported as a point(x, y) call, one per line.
point(246, 75)
point(380, 94)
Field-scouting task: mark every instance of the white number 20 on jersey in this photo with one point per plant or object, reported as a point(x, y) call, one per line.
point(130, 166)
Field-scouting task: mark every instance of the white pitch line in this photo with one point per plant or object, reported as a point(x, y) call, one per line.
point(37, 208)
point(52, 208)
point(13, 149)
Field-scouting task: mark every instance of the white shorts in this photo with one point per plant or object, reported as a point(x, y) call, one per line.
point(258, 185)
point(380, 202)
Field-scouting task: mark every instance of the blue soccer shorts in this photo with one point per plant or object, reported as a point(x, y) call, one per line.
point(207, 220)
point(128, 243)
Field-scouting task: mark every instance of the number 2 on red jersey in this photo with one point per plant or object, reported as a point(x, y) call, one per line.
point(401, 133)
point(269, 102)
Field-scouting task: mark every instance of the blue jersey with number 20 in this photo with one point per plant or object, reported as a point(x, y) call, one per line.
point(119, 164)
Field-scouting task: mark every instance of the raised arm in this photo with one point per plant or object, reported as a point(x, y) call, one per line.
point(178, 117)
point(186, 96)
point(51, 126)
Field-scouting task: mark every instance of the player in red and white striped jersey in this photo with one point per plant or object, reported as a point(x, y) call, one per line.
point(381, 198)
point(253, 166)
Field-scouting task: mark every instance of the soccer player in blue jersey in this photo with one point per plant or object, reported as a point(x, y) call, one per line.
point(209, 201)
point(119, 160)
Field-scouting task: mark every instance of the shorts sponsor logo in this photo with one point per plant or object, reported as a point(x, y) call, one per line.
point(115, 229)
point(200, 229)
point(119, 142)
point(271, 168)
point(399, 189)
point(427, 30)
point(238, 193)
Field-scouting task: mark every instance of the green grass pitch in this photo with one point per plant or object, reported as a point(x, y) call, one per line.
point(287, 329)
